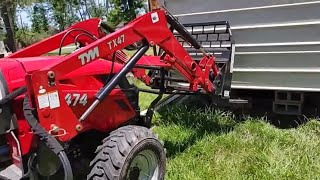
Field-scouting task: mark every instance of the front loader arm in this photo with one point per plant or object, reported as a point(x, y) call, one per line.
point(151, 29)
point(142, 28)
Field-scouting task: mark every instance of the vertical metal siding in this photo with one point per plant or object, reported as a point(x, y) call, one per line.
point(277, 41)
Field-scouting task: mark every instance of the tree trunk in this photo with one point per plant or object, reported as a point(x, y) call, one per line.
point(87, 9)
point(7, 13)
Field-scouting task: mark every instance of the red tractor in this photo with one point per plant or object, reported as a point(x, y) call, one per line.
point(76, 116)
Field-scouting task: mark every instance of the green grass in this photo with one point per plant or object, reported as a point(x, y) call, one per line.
point(208, 144)
point(145, 99)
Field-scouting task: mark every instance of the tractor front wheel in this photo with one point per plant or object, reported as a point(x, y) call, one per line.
point(129, 153)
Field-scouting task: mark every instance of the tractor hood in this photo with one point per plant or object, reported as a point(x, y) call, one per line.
point(15, 69)
point(12, 77)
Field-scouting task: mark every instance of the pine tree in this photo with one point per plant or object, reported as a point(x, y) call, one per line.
point(39, 18)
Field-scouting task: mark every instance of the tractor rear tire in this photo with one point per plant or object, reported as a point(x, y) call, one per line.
point(130, 152)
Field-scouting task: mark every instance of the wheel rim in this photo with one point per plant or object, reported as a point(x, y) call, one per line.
point(144, 166)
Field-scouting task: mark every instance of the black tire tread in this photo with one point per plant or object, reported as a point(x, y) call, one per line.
point(111, 155)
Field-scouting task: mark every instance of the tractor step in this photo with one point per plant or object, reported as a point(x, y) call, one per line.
point(11, 172)
point(238, 101)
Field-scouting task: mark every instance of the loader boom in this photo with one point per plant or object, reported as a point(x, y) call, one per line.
point(151, 29)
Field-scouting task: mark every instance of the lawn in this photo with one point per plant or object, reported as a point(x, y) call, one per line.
point(207, 144)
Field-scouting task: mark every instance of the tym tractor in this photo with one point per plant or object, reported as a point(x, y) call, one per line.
point(77, 116)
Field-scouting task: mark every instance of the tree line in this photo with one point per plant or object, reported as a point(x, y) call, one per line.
point(51, 16)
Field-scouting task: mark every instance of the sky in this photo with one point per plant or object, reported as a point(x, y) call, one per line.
point(25, 19)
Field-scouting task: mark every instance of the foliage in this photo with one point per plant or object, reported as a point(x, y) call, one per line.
point(39, 20)
point(124, 13)
point(26, 37)
point(60, 14)
point(96, 9)
point(24, 3)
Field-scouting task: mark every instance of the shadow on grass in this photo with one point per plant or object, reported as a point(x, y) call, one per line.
point(197, 122)
point(194, 121)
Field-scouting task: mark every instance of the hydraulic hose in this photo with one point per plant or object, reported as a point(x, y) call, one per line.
point(50, 141)
point(13, 95)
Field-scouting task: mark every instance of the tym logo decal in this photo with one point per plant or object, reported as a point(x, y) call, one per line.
point(115, 42)
point(89, 56)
